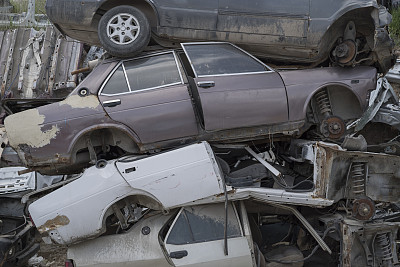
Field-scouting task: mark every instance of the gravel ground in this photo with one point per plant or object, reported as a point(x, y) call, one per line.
point(53, 255)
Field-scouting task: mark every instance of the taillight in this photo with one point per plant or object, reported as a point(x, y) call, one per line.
point(69, 263)
point(30, 217)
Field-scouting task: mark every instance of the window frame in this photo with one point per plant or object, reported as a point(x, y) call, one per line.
point(270, 70)
point(235, 212)
point(127, 79)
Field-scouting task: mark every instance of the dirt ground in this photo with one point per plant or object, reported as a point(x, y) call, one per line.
point(53, 255)
point(396, 88)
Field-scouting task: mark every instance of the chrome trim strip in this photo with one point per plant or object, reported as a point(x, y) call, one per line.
point(112, 101)
point(177, 66)
point(108, 78)
point(190, 61)
point(232, 74)
point(126, 77)
point(150, 55)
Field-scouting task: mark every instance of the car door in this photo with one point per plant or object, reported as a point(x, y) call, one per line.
point(199, 230)
point(264, 21)
point(235, 89)
point(148, 95)
point(189, 19)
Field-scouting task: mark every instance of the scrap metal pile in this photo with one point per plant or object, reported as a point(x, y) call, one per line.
point(203, 155)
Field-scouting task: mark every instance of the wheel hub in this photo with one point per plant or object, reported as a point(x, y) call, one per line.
point(363, 209)
point(123, 29)
point(345, 52)
point(333, 127)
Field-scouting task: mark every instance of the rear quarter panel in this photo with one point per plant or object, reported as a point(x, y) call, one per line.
point(44, 134)
point(301, 85)
point(74, 212)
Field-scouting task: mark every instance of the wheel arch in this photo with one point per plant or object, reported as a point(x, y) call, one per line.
point(344, 90)
point(112, 127)
point(336, 29)
point(137, 196)
point(145, 6)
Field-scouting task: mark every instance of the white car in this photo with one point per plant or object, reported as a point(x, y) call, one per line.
point(190, 236)
point(257, 234)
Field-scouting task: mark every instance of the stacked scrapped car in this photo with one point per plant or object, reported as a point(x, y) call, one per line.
point(344, 32)
point(207, 91)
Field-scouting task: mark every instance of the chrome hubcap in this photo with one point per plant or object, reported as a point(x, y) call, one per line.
point(123, 29)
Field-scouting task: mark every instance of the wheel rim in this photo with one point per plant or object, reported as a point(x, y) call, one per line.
point(123, 29)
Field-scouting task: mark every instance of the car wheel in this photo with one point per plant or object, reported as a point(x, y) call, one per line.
point(124, 31)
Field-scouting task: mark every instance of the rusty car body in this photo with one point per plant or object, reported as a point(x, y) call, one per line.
point(314, 174)
point(346, 32)
point(207, 91)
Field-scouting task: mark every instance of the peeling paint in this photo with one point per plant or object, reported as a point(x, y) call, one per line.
point(76, 101)
point(30, 133)
point(60, 220)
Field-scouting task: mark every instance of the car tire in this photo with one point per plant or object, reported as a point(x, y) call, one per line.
point(124, 31)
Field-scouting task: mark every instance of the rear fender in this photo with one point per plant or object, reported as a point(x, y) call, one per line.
point(119, 127)
point(335, 101)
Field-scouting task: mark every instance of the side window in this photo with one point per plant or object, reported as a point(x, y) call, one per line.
point(202, 224)
point(152, 72)
point(116, 84)
point(221, 58)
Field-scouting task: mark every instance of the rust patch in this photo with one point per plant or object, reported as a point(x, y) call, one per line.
point(53, 224)
point(26, 128)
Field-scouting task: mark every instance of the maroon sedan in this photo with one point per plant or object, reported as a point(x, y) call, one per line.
point(205, 91)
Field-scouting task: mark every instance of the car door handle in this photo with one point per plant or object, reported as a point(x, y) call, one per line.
point(112, 103)
point(206, 84)
point(178, 254)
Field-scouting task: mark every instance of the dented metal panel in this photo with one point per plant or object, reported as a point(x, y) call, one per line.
point(370, 244)
point(176, 173)
point(120, 250)
point(33, 63)
point(11, 181)
point(77, 210)
point(381, 180)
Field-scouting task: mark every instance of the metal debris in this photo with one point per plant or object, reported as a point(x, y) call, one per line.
point(37, 63)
